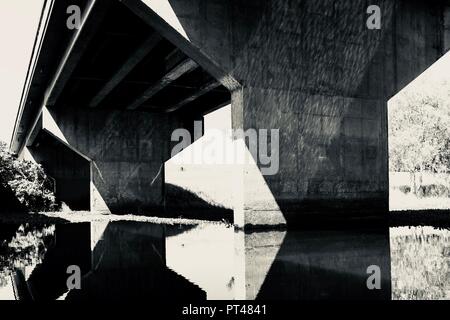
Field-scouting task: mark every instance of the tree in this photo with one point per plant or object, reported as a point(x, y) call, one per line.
point(419, 131)
point(28, 181)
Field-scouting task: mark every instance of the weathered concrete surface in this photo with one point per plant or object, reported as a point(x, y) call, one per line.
point(315, 71)
point(70, 171)
point(127, 150)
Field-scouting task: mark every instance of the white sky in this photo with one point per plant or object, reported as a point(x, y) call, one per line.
point(18, 25)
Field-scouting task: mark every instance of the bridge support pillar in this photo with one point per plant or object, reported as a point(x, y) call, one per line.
point(330, 158)
point(127, 150)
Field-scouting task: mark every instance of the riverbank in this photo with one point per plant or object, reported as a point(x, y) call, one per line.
point(85, 216)
point(437, 218)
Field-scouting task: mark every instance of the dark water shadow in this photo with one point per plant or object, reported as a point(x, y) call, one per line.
point(71, 245)
point(30, 219)
point(10, 204)
point(413, 218)
point(7, 231)
point(123, 261)
point(327, 265)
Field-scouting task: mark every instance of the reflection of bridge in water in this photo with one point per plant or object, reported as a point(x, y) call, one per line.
point(137, 261)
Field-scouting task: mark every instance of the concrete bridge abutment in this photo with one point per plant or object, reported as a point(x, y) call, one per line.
point(317, 73)
point(126, 152)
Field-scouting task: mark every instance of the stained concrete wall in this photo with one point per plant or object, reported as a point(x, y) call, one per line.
point(127, 151)
point(314, 70)
point(70, 171)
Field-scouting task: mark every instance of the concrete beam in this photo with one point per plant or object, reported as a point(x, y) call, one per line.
point(203, 90)
point(150, 17)
point(34, 132)
point(176, 72)
point(146, 47)
point(23, 117)
point(94, 14)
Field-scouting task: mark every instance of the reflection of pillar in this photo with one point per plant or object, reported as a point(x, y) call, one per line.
point(254, 255)
point(20, 287)
point(71, 246)
point(312, 265)
point(128, 264)
point(123, 244)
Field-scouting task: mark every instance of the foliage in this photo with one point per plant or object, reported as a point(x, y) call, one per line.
point(32, 187)
point(419, 129)
point(419, 263)
point(26, 248)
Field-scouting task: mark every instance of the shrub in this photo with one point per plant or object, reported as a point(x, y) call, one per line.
point(433, 190)
point(419, 128)
point(28, 181)
point(405, 189)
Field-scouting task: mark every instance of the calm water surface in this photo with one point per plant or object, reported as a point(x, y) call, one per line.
point(132, 260)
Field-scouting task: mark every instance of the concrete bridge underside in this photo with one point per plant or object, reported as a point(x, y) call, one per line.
point(110, 93)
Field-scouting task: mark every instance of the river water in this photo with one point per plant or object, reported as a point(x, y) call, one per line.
point(137, 261)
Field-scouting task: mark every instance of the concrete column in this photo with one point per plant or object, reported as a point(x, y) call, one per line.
point(127, 151)
point(332, 157)
point(71, 173)
point(315, 71)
